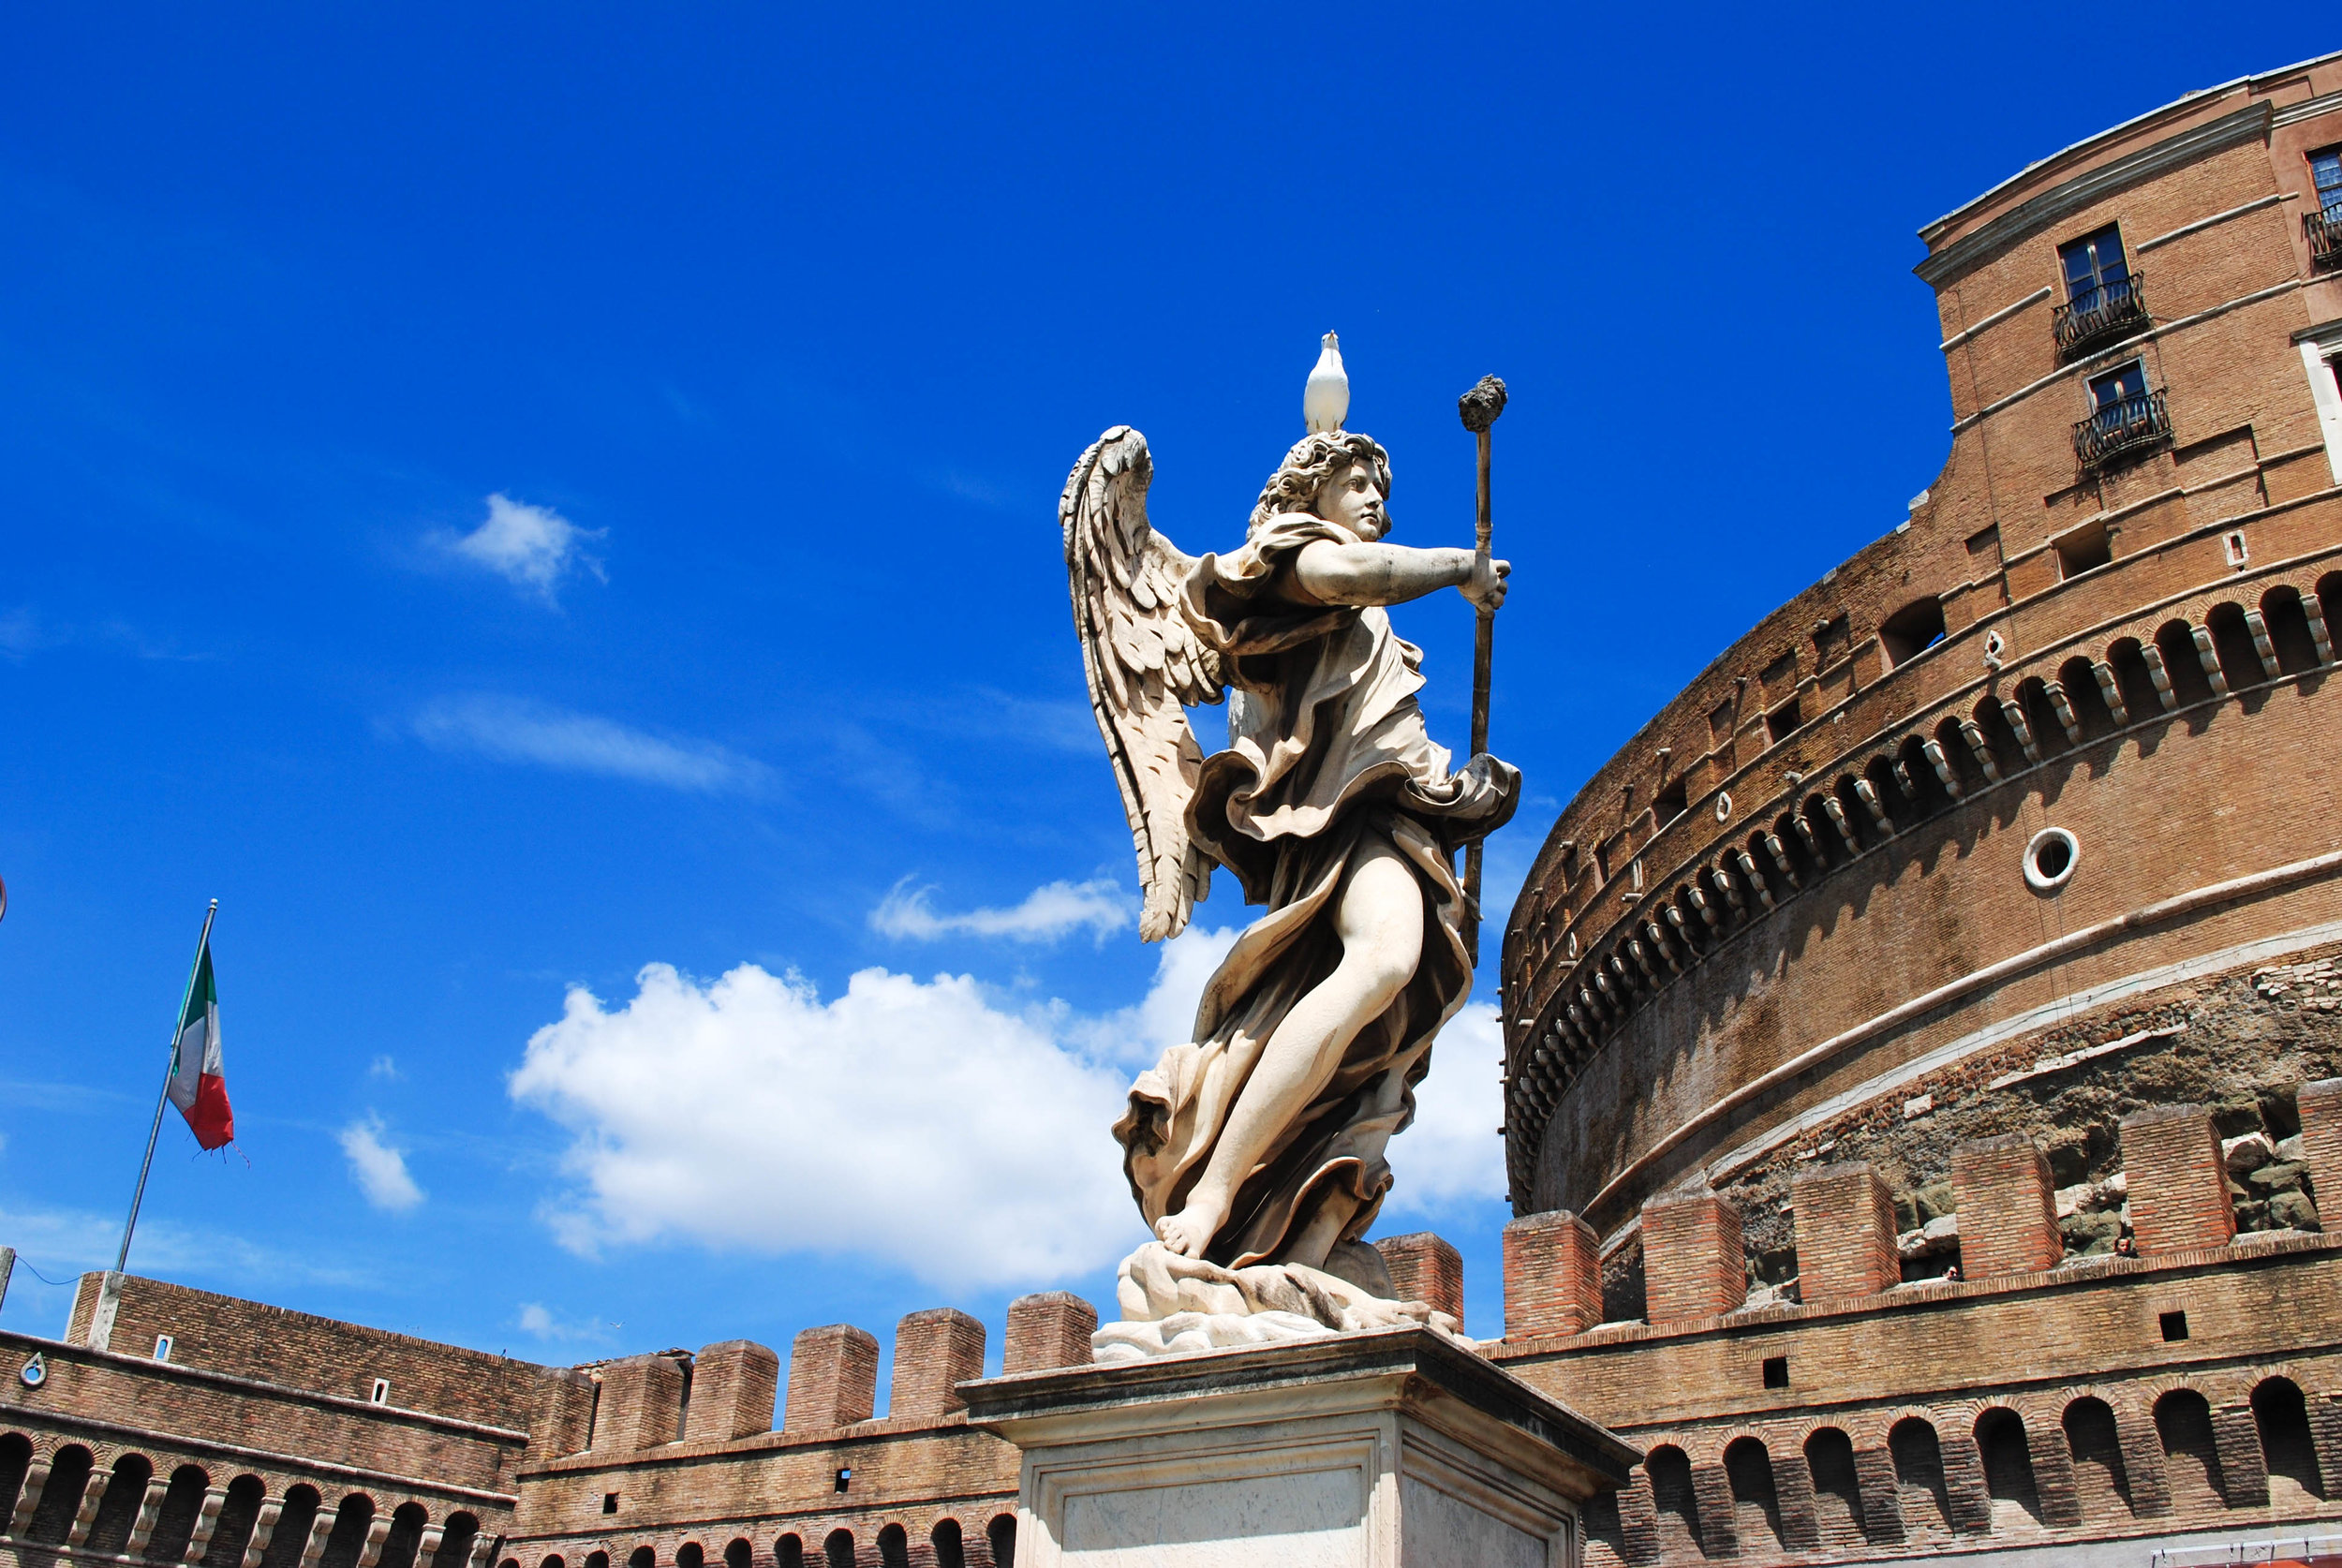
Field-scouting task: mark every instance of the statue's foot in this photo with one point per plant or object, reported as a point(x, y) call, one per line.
point(1189, 1231)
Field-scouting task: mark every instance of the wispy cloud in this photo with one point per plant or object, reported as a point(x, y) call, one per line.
point(379, 1168)
point(533, 548)
point(540, 1322)
point(1048, 913)
point(384, 1067)
point(509, 730)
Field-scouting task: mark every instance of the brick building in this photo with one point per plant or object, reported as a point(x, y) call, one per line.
point(1918, 1036)
point(1923, 1041)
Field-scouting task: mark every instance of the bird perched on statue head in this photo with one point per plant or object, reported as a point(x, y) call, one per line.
point(1326, 396)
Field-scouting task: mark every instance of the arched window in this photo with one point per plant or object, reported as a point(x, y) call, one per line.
point(118, 1511)
point(290, 1540)
point(2240, 660)
point(1677, 1505)
point(2000, 1442)
point(2329, 594)
point(597, 1560)
point(2175, 640)
point(1755, 1505)
point(16, 1457)
point(837, 1552)
point(240, 1509)
point(1002, 1534)
point(349, 1537)
point(2183, 1420)
point(2286, 1446)
point(738, 1553)
point(893, 1547)
point(456, 1543)
point(61, 1497)
point(1920, 1477)
point(553, 1561)
point(2000, 737)
point(2079, 679)
point(2101, 1481)
point(2132, 681)
point(690, 1555)
point(950, 1551)
point(2288, 630)
point(642, 1557)
point(789, 1551)
point(183, 1504)
point(2042, 717)
point(1837, 1490)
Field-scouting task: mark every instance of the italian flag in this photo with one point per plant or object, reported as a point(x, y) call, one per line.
point(199, 1085)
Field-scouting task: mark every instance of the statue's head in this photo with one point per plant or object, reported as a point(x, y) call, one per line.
point(1335, 474)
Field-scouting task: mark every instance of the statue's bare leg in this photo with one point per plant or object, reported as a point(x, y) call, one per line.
point(1378, 916)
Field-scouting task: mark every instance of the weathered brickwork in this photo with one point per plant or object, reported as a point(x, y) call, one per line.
point(1692, 1262)
point(1423, 1267)
point(1552, 1276)
point(1845, 1233)
point(2178, 1181)
point(2008, 1218)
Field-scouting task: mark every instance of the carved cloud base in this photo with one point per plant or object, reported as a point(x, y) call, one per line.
point(1178, 1306)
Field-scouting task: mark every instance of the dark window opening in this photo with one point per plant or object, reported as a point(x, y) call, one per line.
point(2325, 172)
point(2102, 298)
point(2174, 1325)
point(609, 1502)
point(2083, 550)
point(1783, 721)
point(1668, 802)
point(1776, 1371)
point(2094, 263)
point(845, 1477)
point(1002, 1532)
point(1915, 627)
point(2125, 417)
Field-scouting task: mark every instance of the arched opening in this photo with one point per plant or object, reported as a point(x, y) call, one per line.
point(2232, 640)
point(2078, 678)
point(1860, 829)
point(837, 1552)
point(690, 1555)
point(240, 1509)
point(789, 1551)
point(950, 1551)
point(1920, 1477)
point(118, 1510)
point(1923, 787)
point(2287, 1448)
point(738, 1553)
point(348, 1536)
point(1002, 1535)
point(597, 1560)
point(2132, 680)
point(399, 1543)
point(1837, 1490)
point(2329, 596)
point(1755, 1505)
point(463, 1528)
point(183, 1504)
point(290, 1539)
point(893, 1547)
point(61, 1497)
point(2101, 1482)
point(2183, 1420)
point(1678, 1508)
point(642, 1557)
point(2042, 717)
point(553, 1561)
point(2288, 630)
point(2000, 1442)
point(2000, 737)
point(1893, 798)
point(16, 1457)
point(2175, 642)
point(1912, 629)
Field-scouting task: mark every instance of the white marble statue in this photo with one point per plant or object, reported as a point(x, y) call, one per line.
point(1256, 1152)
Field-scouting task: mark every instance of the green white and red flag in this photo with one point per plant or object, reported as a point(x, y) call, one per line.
point(198, 1082)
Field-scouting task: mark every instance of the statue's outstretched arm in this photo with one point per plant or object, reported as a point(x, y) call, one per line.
point(1334, 573)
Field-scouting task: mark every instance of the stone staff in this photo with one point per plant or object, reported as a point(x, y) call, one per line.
point(1479, 407)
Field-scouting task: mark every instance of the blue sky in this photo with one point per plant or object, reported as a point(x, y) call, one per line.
point(547, 514)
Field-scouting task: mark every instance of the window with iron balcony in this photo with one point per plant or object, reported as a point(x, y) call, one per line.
point(2103, 300)
point(2322, 228)
point(2126, 418)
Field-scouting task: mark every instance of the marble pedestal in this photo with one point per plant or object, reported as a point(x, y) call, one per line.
point(1376, 1450)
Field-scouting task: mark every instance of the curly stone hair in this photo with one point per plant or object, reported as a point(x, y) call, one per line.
point(1312, 461)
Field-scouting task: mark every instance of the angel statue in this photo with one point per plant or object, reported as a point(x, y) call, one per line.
point(1257, 1151)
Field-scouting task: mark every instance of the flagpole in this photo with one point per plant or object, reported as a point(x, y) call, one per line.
point(170, 1072)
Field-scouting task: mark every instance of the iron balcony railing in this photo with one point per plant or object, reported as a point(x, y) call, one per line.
point(2099, 315)
point(2125, 426)
point(2324, 231)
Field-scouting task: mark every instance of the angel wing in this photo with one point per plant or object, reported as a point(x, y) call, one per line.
point(1144, 662)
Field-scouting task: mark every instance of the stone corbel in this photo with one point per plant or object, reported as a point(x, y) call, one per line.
point(206, 1521)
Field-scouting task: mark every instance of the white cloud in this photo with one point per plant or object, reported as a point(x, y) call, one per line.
point(918, 1123)
point(540, 1321)
point(379, 1168)
point(509, 730)
point(1048, 913)
point(384, 1067)
point(532, 548)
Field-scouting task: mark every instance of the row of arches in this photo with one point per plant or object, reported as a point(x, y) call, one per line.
point(946, 1543)
point(125, 1508)
point(2005, 732)
point(2093, 1465)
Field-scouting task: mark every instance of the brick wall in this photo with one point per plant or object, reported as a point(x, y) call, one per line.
point(833, 1377)
point(935, 1351)
point(1425, 1268)
point(1693, 1266)
point(1552, 1276)
point(1048, 1329)
point(2007, 1214)
point(1846, 1232)
point(2178, 1187)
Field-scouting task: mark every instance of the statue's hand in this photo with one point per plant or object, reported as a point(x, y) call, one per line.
point(1485, 586)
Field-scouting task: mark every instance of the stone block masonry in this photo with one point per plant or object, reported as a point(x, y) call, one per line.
point(1693, 1266)
point(1552, 1277)
point(2008, 1212)
point(1846, 1232)
point(2178, 1184)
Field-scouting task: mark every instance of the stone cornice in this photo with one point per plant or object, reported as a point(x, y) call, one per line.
point(2070, 196)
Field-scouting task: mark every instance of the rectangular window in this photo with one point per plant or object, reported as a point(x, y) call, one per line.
point(2325, 170)
point(162, 1347)
point(1667, 803)
point(1776, 1371)
point(2095, 268)
point(1783, 721)
point(2174, 1325)
point(609, 1502)
point(2086, 549)
point(381, 1395)
point(2118, 387)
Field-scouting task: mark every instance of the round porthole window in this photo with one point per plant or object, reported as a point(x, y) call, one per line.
point(2050, 859)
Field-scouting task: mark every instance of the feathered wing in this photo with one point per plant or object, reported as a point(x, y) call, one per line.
point(1144, 663)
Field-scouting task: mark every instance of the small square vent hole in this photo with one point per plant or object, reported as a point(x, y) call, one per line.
point(2174, 1325)
point(1776, 1371)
